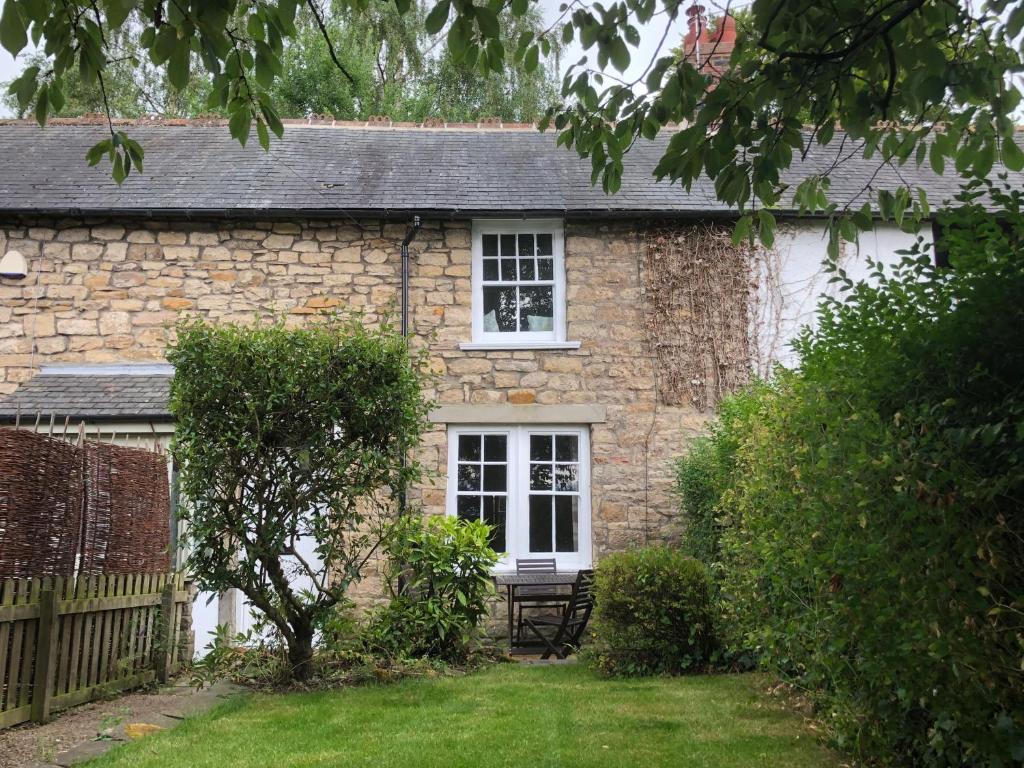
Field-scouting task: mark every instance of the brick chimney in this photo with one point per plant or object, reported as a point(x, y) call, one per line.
point(709, 51)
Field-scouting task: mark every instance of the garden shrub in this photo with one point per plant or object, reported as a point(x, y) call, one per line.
point(872, 534)
point(704, 472)
point(444, 565)
point(652, 613)
point(285, 434)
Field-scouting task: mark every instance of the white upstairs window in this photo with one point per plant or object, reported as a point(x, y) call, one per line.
point(531, 485)
point(518, 276)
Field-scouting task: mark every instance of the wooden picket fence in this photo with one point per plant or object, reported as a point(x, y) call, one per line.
point(67, 641)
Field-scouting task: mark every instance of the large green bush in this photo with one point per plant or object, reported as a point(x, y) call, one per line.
point(652, 613)
point(872, 535)
point(705, 471)
point(439, 576)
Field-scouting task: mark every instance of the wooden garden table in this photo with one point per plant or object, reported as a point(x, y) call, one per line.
point(556, 592)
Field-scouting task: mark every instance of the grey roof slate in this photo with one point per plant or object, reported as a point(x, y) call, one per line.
point(90, 398)
point(319, 169)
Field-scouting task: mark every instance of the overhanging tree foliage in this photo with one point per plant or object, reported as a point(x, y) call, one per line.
point(922, 81)
point(284, 435)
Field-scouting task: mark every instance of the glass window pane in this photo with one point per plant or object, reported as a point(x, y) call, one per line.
point(567, 477)
point(540, 447)
point(536, 309)
point(544, 245)
point(545, 269)
point(567, 523)
point(468, 507)
point(567, 448)
point(495, 448)
point(508, 270)
point(540, 524)
point(490, 269)
point(499, 309)
point(540, 477)
point(494, 516)
point(526, 269)
point(526, 245)
point(469, 447)
point(508, 245)
point(495, 477)
point(490, 243)
point(469, 477)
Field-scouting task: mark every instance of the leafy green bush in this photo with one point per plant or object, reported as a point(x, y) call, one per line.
point(444, 565)
point(704, 473)
point(652, 613)
point(284, 434)
point(872, 535)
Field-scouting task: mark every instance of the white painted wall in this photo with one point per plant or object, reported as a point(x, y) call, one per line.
point(791, 280)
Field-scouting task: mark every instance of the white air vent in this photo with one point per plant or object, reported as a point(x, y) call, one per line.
point(13, 264)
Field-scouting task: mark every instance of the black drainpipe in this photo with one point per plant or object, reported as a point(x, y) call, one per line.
point(410, 235)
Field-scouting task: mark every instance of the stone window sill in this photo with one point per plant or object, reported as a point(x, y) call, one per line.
point(490, 346)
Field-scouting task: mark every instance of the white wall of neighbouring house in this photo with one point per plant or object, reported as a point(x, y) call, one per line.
point(791, 279)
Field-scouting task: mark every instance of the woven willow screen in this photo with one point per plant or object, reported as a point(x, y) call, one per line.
point(89, 509)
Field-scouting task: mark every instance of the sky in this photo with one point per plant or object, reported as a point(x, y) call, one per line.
point(649, 39)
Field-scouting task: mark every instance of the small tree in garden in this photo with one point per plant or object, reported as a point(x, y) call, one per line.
point(285, 435)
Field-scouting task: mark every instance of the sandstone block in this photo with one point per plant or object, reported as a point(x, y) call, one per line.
point(278, 242)
point(78, 327)
point(467, 365)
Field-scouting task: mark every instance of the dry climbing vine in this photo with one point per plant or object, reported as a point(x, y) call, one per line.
point(698, 293)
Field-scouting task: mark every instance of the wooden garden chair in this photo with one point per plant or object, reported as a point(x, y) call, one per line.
point(562, 634)
point(539, 596)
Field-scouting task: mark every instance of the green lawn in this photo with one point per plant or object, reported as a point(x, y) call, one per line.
point(508, 715)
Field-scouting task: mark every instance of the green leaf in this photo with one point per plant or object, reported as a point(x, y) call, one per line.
point(742, 229)
point(254, 26)
point(119, 172)
point(619, 54)
point(240, 124)
point(1013, 158)
point(42, 105)
point(178, 67)
point(24, 87)
point(56, 96)
point(273, 121)
point(262, 134)
point(13, 28)
point(766, 227)
point(117, 11)
point(438, 17)
point(97, 151)
point(532, 59)
point(487, 20)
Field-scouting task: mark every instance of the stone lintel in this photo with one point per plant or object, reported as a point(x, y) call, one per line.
point(503, 413)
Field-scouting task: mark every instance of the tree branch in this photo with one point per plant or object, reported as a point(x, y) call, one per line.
point(327, 38)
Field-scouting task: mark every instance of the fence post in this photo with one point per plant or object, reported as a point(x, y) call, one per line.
point(165, 652)
point(46, 656)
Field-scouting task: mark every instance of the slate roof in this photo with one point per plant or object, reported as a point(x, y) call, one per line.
point(197, 169)
point(90, 397)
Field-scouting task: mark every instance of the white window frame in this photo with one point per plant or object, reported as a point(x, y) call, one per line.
point(553, 339)
point(517, 515)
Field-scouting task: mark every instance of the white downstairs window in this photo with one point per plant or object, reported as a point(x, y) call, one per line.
point(532, 485)
point(518, 277)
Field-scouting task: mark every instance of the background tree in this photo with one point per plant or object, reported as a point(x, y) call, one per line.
point(284, 435)
point(923, 81)
point(396, 69)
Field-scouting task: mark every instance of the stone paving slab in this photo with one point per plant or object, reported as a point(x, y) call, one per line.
point(188, 702)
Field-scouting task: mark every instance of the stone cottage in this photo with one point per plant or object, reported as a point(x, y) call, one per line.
point(579, 339)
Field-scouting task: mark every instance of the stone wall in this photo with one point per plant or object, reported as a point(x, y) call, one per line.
point(105, 291)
